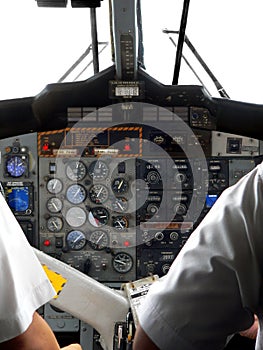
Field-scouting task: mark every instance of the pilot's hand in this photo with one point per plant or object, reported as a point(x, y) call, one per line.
point(251, 332)
point(72, 347)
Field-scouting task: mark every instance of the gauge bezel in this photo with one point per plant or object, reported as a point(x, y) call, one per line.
point(23, 158)
point(116, 266)
point(70, 196)
point(72, 176)
point(83, 240)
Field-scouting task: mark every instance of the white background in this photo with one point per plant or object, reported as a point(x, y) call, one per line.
point(38, 45)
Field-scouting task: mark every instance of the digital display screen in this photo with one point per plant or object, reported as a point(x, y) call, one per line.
point(210, 200)
point(18, 198)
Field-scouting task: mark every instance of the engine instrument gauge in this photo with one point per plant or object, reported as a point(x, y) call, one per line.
point(99, 240)
point(122, 262)
point(76, 216)
point(54, 186)
point(16, 166)
point(54, 205)
point(120, 223)
point(98, 194)
point(98, 216)
point(76, 170)
point(76, 194)
point(120, 204)
point(54, 224)
point(98, 170)
point(76, 240)
point(120, 185)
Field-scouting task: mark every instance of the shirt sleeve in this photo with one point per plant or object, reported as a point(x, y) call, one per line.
point(24, 284)
point(213, 286)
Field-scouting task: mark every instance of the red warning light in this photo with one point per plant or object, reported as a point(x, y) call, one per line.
point(45, 147)
point(126, 243)
point(47, 243)
point(127, 147)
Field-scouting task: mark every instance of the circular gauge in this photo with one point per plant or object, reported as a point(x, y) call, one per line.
point(76, 170)
point(99, 240)
point(54, 224)
point(119, 185)
point(122, 262)
point(98, 216)
point(98, 194)
point(120, 222)
point(16, 166)
point(76, 240)
point(98, 170)
point(120, 205)
point(76, 216)
point(76, 194)
point(54, 205)
point(54, 186)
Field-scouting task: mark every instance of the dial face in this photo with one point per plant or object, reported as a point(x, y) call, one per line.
point(122, 262)
point(76, 194)
point(120, 223)
point(76, 217)
point(54, 186)
point(54, 205)
point(98, 194)
point(16, 166)
point(98, 170)
point(119, 185)
point(54, 224)
point(76, 240)
point(98, 216)
point(76, 170)
point(99, 240)
point(120, 205)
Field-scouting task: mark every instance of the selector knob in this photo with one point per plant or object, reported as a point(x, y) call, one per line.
point(165, 268)
point(180, 177)
point(150, 268)
point(174, 236)
point(159, 236)
point(153, 177)
point(180, 209)
point(152, 208)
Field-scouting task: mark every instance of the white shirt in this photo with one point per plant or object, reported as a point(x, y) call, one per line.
point(215, 284)
point(24, 286)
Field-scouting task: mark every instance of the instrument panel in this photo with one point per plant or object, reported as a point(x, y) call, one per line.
point(118, 200)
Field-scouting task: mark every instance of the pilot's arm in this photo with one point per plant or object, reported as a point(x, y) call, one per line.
point(212, 290)
point(37, 336)
point(24, 288)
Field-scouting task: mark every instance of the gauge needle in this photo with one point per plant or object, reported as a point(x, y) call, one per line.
point(120, 262)
point(99, 239)
point(77, 192)
point(120, 184)
point(99, 192)
point(120, 206)
point(55, 224)
point(54, 205)
point(120, 224)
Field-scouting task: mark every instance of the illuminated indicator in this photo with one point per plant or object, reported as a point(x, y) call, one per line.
point(210, 200)
point(47, 243)
point(45, 147)
point(18, 198)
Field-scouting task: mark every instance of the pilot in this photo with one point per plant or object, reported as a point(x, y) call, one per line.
point(214, 287)
point(24, 288)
